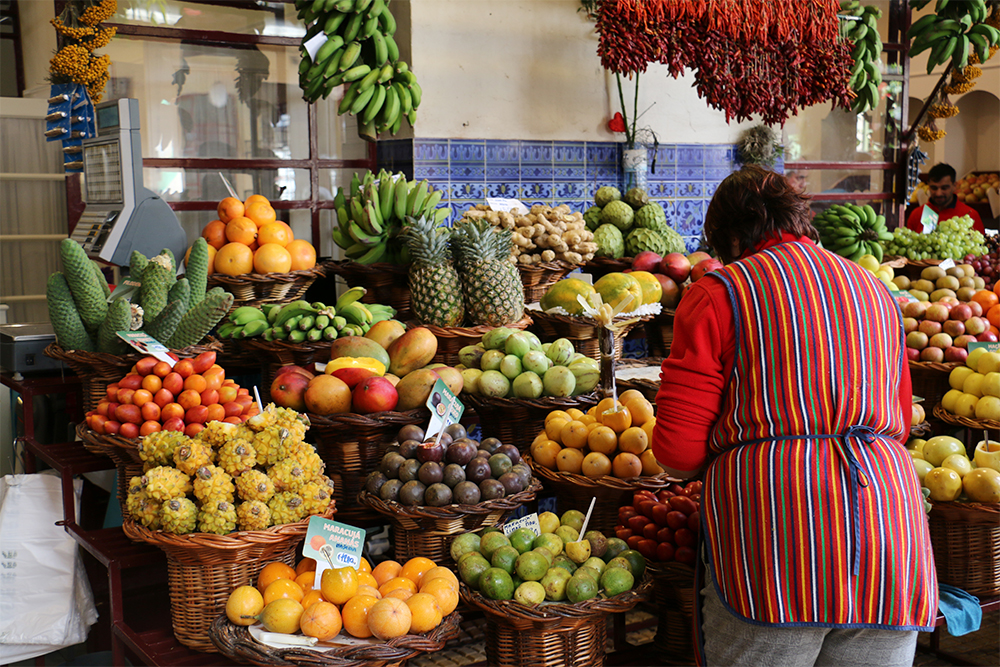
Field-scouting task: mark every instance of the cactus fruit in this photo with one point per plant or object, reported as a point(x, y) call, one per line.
point(254, 485)
point(65, 318)
point(83, 283)
point(218, 516)
point(200, 319)
point(237, 456)
point(179, 516)
point(212, 482)
point(101, 280)
point(119, 319)
point(253, 515)
point(158, 448)
point(287, 475)
point(286, 507)
point(163, 483)
point(137, 265)
point(197, 270)
point(192, 455)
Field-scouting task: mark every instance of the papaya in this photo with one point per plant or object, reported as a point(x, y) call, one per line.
point(563, 294)
point(615, 288)
point(651, 289)
point(356, 346)
point(414, 349)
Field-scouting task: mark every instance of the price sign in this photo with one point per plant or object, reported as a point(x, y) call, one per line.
point(445, 408)
point(329, 542)
point(986, 345)
point(529, 521)
point(508, 205)
point(928, 219)
point(146, 344)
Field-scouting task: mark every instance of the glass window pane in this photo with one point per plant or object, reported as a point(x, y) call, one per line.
point(276, 19)
point(818, 181)
point(176, 185)
point(338, 135)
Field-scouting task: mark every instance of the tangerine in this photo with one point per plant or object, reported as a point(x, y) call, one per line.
point(274, 232)
point(303, 254)
point(425, 612)
point(446, 594)
point(386, 570)
point(260, 213)
point(355, 615)
point(273, 571)
point(993, 315)
point(986, 299)
point(321, 620)
point(241, 230)
point(570, 460)
point(339, 584)
point(283, 588)
point(415, 567)
point(626, 465)
point(215, 233)
point(230, 208)
point(244, 605)
point(574, 434)
point(633, 440)
point(397, 582)
point(272, 258)
point(596, 465)
point(602, 439)
point(399, 593)
point(234, 259)
point(390, 617)
point(256, 198)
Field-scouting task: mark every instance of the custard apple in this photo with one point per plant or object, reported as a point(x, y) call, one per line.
point(636, 198)
point(651, 216)
point(674, 241)
point(645, 239)
point(607, 194)
point(592, 217)
point(619, 214)
point(610, 242)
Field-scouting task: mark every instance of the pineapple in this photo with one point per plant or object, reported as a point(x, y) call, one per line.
point(192, 455)
point(491, 285)
point(253, 515)
point(237, 456)
point(158, 448)
point(212, 482)
point(179, 516)
point(255, 485)
point(163, 483)
point(435, 289)
point(217, 517)
point(286, 507)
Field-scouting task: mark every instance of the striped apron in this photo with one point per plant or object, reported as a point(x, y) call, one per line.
point(812, 512)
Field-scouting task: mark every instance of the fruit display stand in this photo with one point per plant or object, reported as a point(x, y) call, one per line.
point(272, 355)
point(255, 289)
point(601, 266)
point(204, 568)
point(583, 331)
point(551, 634)
point(237, 643)
point(537, 278)
point(966, 541)
point(674, 597)
point(930, 379)
point(572, 490)
point(428, 531)
point(97, 370)
point(965, 422)
point(516, 421)
point(385, 283)
point(452, 339)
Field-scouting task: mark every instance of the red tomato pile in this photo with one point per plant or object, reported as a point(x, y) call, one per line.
point(664, 526)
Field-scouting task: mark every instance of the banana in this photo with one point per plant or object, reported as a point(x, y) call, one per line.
point(329, 47)
point(246, 314)
point(255, 328)
point(362, 5)
point(362, 236)
point(373, 255)
point(306, 322)
point(353, 27)
point(376, 8)
point(374, 105)
point(411, 117)
point(416, 93)
point(386, 73)
point(417, 197)
point(432, 201)
point(350, 56)
point(401, 197)
point(988, 31)
point(345, 104)
point(226, 330)
point(372, 217)
point(296, 336)
point(381, 48)
point(350, 296)
point(369, 27)
point(339, 322)
point(441, 215)
point(848, 250)
point(279, 333)
point(394, 128)
point(359, 72)
point(387, 21)
point(322, 321)
point(291, 310)
point(390, 109)
point(356, 250)
point(869, 214)
point(333, 21)
point(364, 309)
point(362, 100)
point(405, 99)
point(385, 188)
point(392, 49)
point(330, 333)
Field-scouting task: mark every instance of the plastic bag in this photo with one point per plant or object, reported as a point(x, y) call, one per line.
point(45, 598)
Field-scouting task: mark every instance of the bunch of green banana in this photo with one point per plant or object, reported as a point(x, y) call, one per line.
point(372, 212)
point(862, 29)
point(852, 231)
point(360, 49)
point(949, 33)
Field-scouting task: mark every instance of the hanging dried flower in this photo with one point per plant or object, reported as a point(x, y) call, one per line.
point(80, 36)
point(943, 110)
point(930, 132)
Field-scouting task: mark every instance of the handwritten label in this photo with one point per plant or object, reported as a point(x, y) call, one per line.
point(508, 205)
point(985, 345)
point(946, 264)
point(929, 219)
point(147, 345)
point(439, 402)
point(529, 521)
point(330, 542)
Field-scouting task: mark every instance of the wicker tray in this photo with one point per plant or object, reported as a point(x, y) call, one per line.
point(235, 642)
point(388, 284)
point(965, 422)
point(450, 340)
point(97, 370)
point(273, 355)
point(674, 597)
point(648, 388)
point(256, 289)
point(552, 634)
point(429, 531)
point(538, 278)
point(203, 569)
point(602, 266)
point(660, 332)
point(576, 491)
point(930, 380)
point(516, 421)
point(236, 355)
point(966, 540)
point(582, 331)
point(921, 430)
point(127, 462)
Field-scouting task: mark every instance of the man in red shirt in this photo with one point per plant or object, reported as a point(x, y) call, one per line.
point(941, 179)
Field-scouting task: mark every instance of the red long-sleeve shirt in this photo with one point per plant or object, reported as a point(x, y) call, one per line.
point(957, 209)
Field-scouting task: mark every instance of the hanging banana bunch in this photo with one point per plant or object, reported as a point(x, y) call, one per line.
point(956, 30)
point(860, 25)
point(359, 49)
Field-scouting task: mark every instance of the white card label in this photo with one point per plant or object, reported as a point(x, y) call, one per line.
point(314, 44)
point(928, 219)
point(508, 205)
point(529, 521)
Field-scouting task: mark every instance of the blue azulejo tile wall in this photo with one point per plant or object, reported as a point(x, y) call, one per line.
point(680, 177)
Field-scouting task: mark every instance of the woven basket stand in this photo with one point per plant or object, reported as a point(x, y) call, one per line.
point(516, 421)
point(966, 540)
point(581, 331)
point(257, 289)
point(538, 278)
point(674, 597)
point(388, 284)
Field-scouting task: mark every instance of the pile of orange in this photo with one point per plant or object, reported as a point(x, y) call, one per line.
point(989, 301)
point(248, 238)
point(612, 438)
point(390, 601)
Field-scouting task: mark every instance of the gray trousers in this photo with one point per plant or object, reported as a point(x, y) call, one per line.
point(731, 641)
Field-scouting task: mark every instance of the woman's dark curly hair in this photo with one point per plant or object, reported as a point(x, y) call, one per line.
point(754, 204)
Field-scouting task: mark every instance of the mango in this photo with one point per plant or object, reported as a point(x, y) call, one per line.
point(415, 388)
point(414, 349)
point(356, 346)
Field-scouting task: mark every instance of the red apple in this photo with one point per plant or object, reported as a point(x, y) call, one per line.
point(914, 309)
point(703, 267)
point(376, 394)
point(647, 260)
point(910, 324)
point(917, 340)
point(937, 312)
point(934, 354)
point(987, 337)
point(976, 308)
point(353, 376)
point(964, 340)
point(676, 267)
point(912, 354)
point(289, 390)
point(961, 312)
point(958, 354)
point(975, 326)
point(954, 328)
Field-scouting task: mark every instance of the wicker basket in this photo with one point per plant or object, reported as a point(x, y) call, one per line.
point(965, 422)
point(429, 531)
point(236, 354)
point(273, 355)
point(236, 643)
point(97, 370)
point(388, 284)
point(599, 267)
point(582, 331)
point(516, 421)
point(538, 278)
point(660, 332)
point(203, 569)
point(551, 634)
point(966, 540)
point(256, 289)
point(352, 445)
point(921, 430)
point(674, 596)
point(930, 380)
point(106, 445)
point(576, 491)
point(450, 340)
point(648, 388)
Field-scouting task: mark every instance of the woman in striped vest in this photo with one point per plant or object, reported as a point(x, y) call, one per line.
point(787, 384)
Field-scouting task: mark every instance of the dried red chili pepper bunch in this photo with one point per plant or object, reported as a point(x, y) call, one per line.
point(748, 57)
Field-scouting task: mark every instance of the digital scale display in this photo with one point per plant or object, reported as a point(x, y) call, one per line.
point(107, 117)
point(103, 168)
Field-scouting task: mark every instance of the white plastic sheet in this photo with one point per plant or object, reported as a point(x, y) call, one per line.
point(45, 598)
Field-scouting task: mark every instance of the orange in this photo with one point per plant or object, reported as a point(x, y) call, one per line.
point(627, 396)
point(626, 465)
point(570, 460)
point(593, 425)
point(545, 452)
point(633, 440)
point(306, 579)
point(215, 233)
point(574, 413)
point(386, 570)
point(648, 428)
point(283, 588)
point(372, 591)
point(397, 582)
point(355, 615)
point(274, 232)
point(415, 567)
point(321, 620)
point(366, 579)
point(272, 571)
point(230, 208)
point(291, 234)
point(256, 198)
point(587, 420)
point(602, 439)
point(389, 617)
point(554, 427)
point(303, 254)
point(439, 572)
point(234, 259)
point(605, 405)
point(272, 258)
point(311, 597)
point(994, 330)
point(558, 414)
point(986, 299)
point(574, 434)
point(306, 565)
point(617, 419)
point(996, 288)
point(993, 315)
point(241, 230)
point(339, 584)
point(447, 596)
point(364, 566)
point(399, 593)
point(260, 213)
point(595, 465)
point(640, 409)
point(425, 612)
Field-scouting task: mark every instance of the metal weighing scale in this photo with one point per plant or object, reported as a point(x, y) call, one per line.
point(121, 214)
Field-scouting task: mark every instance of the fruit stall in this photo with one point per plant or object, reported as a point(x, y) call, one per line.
point(420, 418)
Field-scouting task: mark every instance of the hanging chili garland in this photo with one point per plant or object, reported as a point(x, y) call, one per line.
point(748, 57)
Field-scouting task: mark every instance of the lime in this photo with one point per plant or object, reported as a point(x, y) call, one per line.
point(568, 534)
point(616, 580)
point(545, 552)
point(491, 542)
point(521, 539)
point(596, 563)
point(504, 558)
point(531, 566)
point(496, 584)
